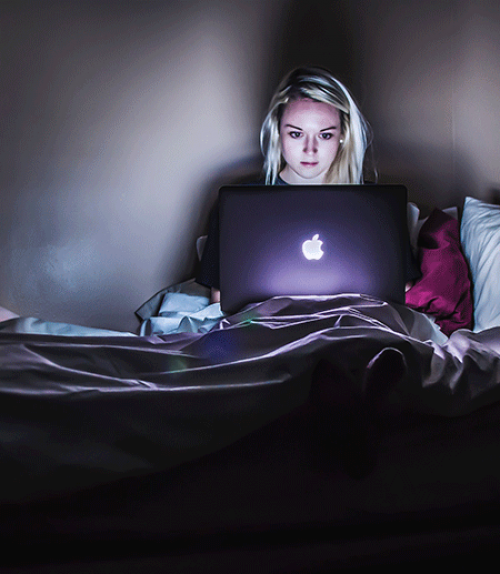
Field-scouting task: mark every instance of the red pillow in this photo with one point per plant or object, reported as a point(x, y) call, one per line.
point(444, 290)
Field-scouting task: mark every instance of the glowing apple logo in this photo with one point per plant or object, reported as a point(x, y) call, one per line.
point(311, 248)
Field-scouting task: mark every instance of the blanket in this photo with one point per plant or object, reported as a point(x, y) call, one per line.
point(79, 410)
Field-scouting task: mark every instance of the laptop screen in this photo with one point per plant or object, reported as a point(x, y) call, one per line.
point(311, 241)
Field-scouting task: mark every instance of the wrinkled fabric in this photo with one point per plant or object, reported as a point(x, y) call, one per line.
point(117, 406)
point(183, 307)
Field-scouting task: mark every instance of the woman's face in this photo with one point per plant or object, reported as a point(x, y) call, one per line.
point(310, 138)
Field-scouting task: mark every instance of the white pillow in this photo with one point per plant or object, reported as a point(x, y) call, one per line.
point(480, 237)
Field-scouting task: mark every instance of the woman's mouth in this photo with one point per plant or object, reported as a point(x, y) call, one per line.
point(308, 163)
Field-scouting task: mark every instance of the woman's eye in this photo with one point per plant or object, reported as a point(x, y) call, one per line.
point(326, 136)
point(295, 135)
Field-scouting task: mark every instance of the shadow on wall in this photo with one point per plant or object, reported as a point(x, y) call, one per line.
point(493, 196)
point(314, 33)
point(418, 167)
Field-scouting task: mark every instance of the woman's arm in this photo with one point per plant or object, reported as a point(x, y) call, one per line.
point(208, 271)
point(214, 295)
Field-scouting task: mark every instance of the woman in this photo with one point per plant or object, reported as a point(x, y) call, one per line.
point(314, 133)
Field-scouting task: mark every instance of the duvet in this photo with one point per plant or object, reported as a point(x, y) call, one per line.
point(81, 407)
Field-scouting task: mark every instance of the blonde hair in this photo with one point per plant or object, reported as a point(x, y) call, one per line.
point(319, 85)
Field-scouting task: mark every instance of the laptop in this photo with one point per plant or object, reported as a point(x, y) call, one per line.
point(311, 240)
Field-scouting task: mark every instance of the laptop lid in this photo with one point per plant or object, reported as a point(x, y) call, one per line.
point(311, 240)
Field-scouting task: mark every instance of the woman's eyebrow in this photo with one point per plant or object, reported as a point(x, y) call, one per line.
point(300, 129)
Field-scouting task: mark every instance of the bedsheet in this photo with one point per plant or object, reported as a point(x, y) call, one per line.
point(81, 410)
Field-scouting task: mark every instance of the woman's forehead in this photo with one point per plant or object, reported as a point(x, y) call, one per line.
point(310, 111)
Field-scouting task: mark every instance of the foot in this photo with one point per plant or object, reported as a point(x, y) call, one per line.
point(382, 374)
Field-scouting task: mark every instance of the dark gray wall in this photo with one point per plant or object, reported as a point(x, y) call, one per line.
point(120, 119)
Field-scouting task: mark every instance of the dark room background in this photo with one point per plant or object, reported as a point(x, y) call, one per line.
point(120, 119)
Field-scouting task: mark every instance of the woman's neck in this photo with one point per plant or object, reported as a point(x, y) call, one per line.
point(288, 176)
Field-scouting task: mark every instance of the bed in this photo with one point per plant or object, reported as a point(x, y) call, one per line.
point(189, 445)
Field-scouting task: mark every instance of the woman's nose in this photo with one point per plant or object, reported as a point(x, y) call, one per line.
point(310, 145)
